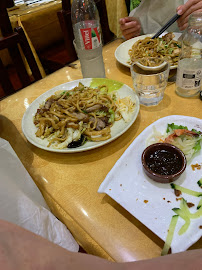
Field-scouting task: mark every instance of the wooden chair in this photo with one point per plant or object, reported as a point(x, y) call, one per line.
point(128, 5)
point(64, 17)
point(106, 32)
point(10, 40)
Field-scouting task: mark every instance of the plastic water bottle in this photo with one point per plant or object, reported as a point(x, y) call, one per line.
point(88, 38)
point(189, 72)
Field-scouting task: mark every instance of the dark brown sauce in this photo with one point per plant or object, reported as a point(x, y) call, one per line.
point(164, 162)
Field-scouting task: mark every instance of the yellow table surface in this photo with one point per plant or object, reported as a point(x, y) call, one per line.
point(69, 182)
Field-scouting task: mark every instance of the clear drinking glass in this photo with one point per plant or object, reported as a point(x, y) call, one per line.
point(150, 78)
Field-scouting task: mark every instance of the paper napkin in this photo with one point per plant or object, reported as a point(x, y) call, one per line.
point(22, 203)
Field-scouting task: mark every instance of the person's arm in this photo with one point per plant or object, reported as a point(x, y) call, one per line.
point(130, 27)
point(185, 10)
point(24, 250)
point(21, 249)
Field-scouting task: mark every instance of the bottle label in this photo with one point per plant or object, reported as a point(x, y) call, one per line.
point(189, 79)
point(90, 37)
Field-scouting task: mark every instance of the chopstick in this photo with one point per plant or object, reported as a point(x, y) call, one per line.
point(169, 23)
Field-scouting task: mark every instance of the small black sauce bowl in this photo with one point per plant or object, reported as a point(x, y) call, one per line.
point(160, 177)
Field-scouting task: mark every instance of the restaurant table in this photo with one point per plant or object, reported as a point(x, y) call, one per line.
point(69, 182)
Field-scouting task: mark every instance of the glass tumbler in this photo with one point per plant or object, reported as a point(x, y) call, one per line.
point(150, 76)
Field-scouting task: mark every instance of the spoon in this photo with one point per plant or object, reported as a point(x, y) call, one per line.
point(151, 68)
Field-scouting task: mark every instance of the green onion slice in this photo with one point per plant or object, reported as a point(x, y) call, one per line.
point(200, 204)
point(186, 190)
point(200, 182)
point(170, 234)
point(198, 213)
point(184, 213)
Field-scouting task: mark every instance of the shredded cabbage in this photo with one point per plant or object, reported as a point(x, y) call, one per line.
point(125, 106)
point(188, 144)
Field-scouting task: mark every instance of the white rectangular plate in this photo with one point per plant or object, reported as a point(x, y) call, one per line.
point(151, 202)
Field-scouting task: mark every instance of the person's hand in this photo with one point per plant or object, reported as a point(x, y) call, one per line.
point(130, 27)
point(185, 10)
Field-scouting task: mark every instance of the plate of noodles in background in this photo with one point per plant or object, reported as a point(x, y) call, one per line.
point(80, 115)
point(138, 47)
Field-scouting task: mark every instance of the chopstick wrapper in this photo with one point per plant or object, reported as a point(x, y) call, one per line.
point(22, 203)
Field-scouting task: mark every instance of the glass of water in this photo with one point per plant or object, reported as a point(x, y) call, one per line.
point(150, 76)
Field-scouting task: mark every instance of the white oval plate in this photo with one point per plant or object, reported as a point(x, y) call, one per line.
point(119, 127)
point(121, 53)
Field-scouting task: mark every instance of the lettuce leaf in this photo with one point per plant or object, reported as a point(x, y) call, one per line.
point(197, 146)
point(172, 126)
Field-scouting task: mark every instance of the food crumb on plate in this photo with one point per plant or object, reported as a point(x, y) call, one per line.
point(177, 192)
point(189, 204)
point(196, 166)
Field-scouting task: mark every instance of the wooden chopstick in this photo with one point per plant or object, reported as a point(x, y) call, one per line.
point(169, 23)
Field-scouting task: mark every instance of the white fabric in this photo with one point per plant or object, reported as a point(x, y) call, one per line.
point(153, 14)
point(22, 203)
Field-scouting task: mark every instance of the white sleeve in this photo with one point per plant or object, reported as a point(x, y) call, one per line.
point(153, 14)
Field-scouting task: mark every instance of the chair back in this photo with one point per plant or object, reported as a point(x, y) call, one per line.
point(128, 5)
point(106, 32)
point(64, 17)
point(5, 24)
point(10, 40)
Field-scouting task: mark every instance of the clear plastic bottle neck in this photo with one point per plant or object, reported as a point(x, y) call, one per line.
point(195, 19)
point(83, 10)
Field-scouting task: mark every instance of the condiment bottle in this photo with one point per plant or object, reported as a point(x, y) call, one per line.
point(189, 72)
point(88, 40)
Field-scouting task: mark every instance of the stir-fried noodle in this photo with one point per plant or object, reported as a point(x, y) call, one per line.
point(84, 110)
point(165, 47)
